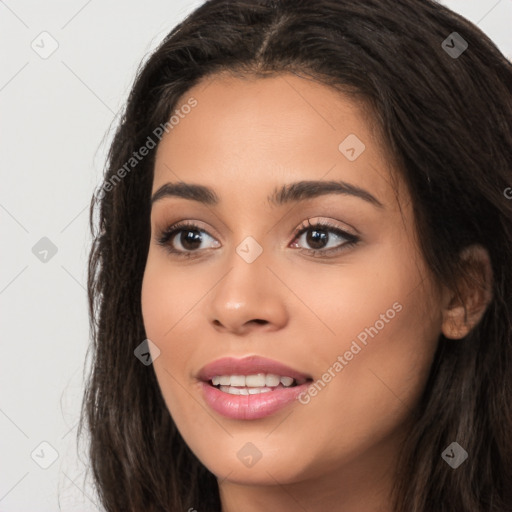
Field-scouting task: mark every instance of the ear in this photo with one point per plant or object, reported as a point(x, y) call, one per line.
point(462, 313)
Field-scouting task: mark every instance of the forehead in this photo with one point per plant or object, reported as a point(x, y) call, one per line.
point(251, 134)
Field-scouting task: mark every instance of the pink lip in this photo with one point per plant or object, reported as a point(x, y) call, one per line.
point(250, 407)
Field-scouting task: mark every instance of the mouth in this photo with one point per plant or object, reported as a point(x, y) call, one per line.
point(250, 388)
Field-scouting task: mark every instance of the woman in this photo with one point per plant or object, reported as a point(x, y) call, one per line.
point(300, 282)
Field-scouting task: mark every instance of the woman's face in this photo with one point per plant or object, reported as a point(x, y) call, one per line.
point(359, 318)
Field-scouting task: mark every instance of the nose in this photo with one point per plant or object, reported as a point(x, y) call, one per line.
point(249, 298)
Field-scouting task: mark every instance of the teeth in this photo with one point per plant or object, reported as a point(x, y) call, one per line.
point(243, 391)
point(255, 381)
point(260, 380)
point(237, 380)
point(286, 381)
point(255, 391)
point(272, 380)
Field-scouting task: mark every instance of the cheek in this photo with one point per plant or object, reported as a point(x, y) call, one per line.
point(381, 311)
point(167, 296)
point(385, 330)
point(164, 298)
point(167, 299)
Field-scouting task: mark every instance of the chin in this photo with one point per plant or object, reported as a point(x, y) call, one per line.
point(282, 468)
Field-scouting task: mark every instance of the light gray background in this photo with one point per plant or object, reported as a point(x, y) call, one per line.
point(57, 118)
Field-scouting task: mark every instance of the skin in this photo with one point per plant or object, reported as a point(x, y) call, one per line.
point(244, 138)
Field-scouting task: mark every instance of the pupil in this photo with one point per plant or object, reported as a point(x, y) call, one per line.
point(190, 242)
point(317, 237)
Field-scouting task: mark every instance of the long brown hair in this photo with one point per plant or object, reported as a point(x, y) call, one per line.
point(446, 120)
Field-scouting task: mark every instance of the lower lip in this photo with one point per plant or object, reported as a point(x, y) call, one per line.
point(250, 407)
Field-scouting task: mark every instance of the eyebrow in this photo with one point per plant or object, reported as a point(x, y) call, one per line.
point(292, 192)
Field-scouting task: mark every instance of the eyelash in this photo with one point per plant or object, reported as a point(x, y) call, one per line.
point(169, 233)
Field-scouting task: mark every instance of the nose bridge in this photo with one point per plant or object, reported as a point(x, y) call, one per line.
point(249, 293)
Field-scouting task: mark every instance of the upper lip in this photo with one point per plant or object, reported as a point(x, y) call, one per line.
point(249, 366)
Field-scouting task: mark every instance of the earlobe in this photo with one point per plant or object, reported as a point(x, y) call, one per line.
point(461, 313)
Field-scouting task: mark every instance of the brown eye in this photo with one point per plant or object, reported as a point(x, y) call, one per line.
point(185, 239)
point(189, 239)
point(323, 238)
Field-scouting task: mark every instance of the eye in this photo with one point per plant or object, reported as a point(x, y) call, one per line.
point(324, 239)
point(185, 239)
